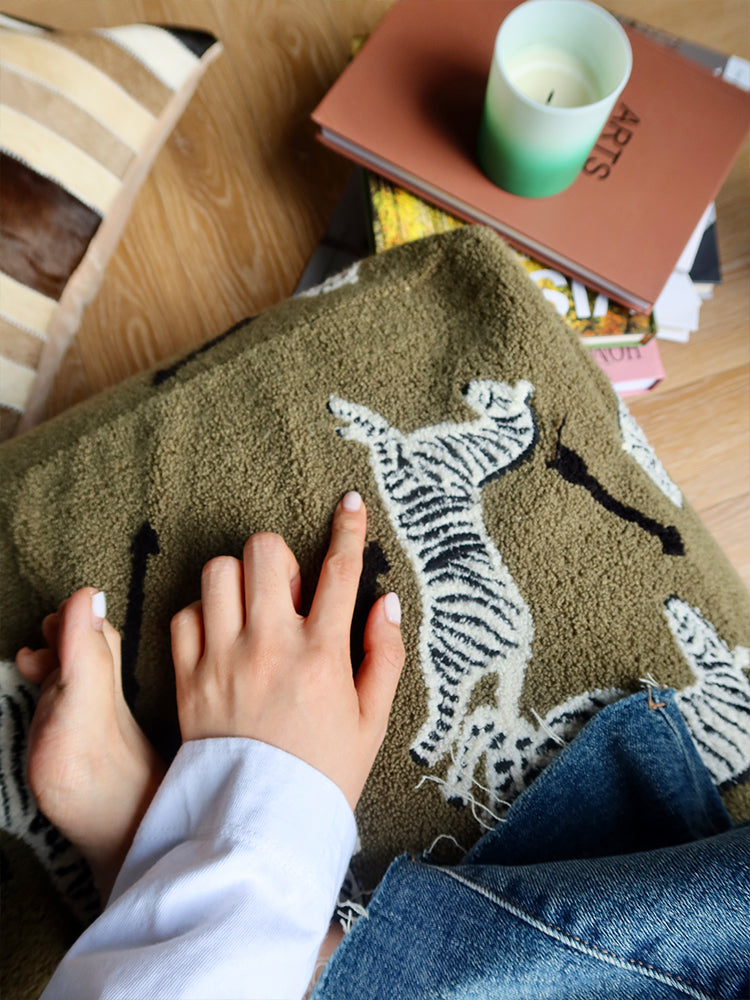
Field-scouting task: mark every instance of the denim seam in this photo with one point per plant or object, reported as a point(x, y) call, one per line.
point(688, 760)
point(579, 944)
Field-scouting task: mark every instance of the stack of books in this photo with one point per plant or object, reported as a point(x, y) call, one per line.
point(621, 340)
point(628, 252)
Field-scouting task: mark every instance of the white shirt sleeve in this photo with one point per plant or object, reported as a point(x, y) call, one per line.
point(229, 886)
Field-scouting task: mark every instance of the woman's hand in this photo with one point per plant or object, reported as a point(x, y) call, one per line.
point(248, 664)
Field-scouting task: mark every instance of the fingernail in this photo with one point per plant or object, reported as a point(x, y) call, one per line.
point(352, 501)
point(98, 608)
point(392, 607)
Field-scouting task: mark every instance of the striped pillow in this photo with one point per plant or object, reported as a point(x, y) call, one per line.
point(82, 117)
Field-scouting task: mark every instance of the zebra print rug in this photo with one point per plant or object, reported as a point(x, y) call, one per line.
point(546, 562)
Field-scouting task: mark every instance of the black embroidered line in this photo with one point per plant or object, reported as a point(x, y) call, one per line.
point(520, 459)
point(164, 374)
point(145, 543)
point(6, 869)
point(374, 563)
point(574, 470)
point(18, 755)
point(737, 779)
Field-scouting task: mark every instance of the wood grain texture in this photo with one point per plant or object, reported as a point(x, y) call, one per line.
point(290, 73)
point(711, 416)
point(723, 521)
point(242, 191)
point(146, 310)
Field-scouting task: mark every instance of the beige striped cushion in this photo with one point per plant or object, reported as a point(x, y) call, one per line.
point(82, 117)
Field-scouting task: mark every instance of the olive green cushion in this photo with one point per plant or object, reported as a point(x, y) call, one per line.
point(545, 561)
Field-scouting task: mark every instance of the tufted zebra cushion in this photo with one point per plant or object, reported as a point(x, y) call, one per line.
point(546, 562)
point(82, 117)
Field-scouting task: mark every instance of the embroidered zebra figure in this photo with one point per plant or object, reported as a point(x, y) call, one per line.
point(635, 443)
point(19, 812)
point(474, 619)
point(716, 709)
point(475, 622)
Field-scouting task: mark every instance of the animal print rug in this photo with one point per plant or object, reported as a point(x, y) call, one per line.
point(546, 562)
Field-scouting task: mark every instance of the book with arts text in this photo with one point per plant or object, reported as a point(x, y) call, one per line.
point(409, 105)
point(398, 216)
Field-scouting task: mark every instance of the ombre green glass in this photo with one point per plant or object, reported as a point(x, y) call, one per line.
point(538, 149)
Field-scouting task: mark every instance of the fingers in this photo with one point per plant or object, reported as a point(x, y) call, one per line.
point(36, 664)
point(223, 601)
point(80, 633)
point(336, 592)
point(295, 589)
point(51, 626)
point(70, 625)
point(265, 584)
point(378, 676)
point(187, 638)
point(273, 586)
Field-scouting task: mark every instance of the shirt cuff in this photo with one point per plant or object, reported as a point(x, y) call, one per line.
point(245, 791)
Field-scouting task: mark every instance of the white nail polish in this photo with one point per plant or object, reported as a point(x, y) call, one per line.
point(99, 605)
point(352, 501)
point(392, 607)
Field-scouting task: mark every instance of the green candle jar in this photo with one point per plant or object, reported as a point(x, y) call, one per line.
point(557, 70)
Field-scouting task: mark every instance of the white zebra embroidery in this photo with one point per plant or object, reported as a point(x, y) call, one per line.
point(349, 276)
point(19, 812)
point(636, 444)
point(474, 620)
point(716, 709)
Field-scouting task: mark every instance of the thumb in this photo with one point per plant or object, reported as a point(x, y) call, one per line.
point(80, 634)
point(378, 675)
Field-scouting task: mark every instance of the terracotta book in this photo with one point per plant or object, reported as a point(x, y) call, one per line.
point(398, 216)
point(409, 105)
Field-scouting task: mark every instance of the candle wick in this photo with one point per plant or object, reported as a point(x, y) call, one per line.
point(550, 96)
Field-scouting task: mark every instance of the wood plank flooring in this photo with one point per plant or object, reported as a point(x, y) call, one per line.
point(241, 193)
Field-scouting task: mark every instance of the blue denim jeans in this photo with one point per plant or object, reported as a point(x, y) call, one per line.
point(617, 874)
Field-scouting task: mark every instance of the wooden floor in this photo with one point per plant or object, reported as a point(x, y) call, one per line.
point(240, 195)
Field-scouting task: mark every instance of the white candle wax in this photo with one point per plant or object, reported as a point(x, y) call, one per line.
point(552, 76)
